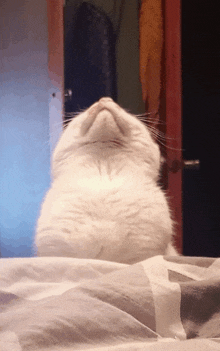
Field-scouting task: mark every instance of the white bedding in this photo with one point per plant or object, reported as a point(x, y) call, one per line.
point(61, 304)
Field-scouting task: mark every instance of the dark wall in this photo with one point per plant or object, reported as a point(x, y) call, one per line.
point(201, 126)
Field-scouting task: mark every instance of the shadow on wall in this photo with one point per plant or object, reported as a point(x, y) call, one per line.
point(24, 122)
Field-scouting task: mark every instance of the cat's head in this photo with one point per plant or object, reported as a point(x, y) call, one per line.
point(106, 130)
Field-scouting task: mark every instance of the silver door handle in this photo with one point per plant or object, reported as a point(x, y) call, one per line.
point(177, 165)
point(191, 164)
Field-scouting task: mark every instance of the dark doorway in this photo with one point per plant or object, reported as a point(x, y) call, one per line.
point(201, 127)
point(89, 56)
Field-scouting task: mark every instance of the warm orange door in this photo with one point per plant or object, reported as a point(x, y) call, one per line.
point(160, 73)
point(55, 68)
point(56, 42)
point(172, 28)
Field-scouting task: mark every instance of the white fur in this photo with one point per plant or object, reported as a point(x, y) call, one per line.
point(104, 201)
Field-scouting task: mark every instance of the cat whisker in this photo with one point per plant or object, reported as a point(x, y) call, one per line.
point(74, 114)
point(70, 115)
point(169, 147)
point(147, 113)
point(162, 139)
point(155, 131)
point(160, 134)
point(152, 122)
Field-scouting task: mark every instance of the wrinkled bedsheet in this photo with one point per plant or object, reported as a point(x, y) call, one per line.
point(63, 304)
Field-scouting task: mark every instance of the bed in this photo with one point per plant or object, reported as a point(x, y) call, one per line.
point(60, 304)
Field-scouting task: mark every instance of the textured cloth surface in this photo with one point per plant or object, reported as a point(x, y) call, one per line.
point(163, 303)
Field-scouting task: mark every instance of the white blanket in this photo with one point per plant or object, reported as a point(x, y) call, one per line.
point(60, 304)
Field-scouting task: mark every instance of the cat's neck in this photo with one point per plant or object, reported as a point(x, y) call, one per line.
point(105, 174)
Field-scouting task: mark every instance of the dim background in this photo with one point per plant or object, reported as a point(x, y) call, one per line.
point(24, 124)
point(201, 127)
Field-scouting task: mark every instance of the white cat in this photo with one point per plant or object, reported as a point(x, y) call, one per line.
point(104, 201)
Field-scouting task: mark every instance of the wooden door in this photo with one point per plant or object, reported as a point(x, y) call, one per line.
point(55, 68)
point(160, 74)
point(173, 110)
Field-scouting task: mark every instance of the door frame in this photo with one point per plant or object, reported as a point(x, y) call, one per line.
point(173, 112)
